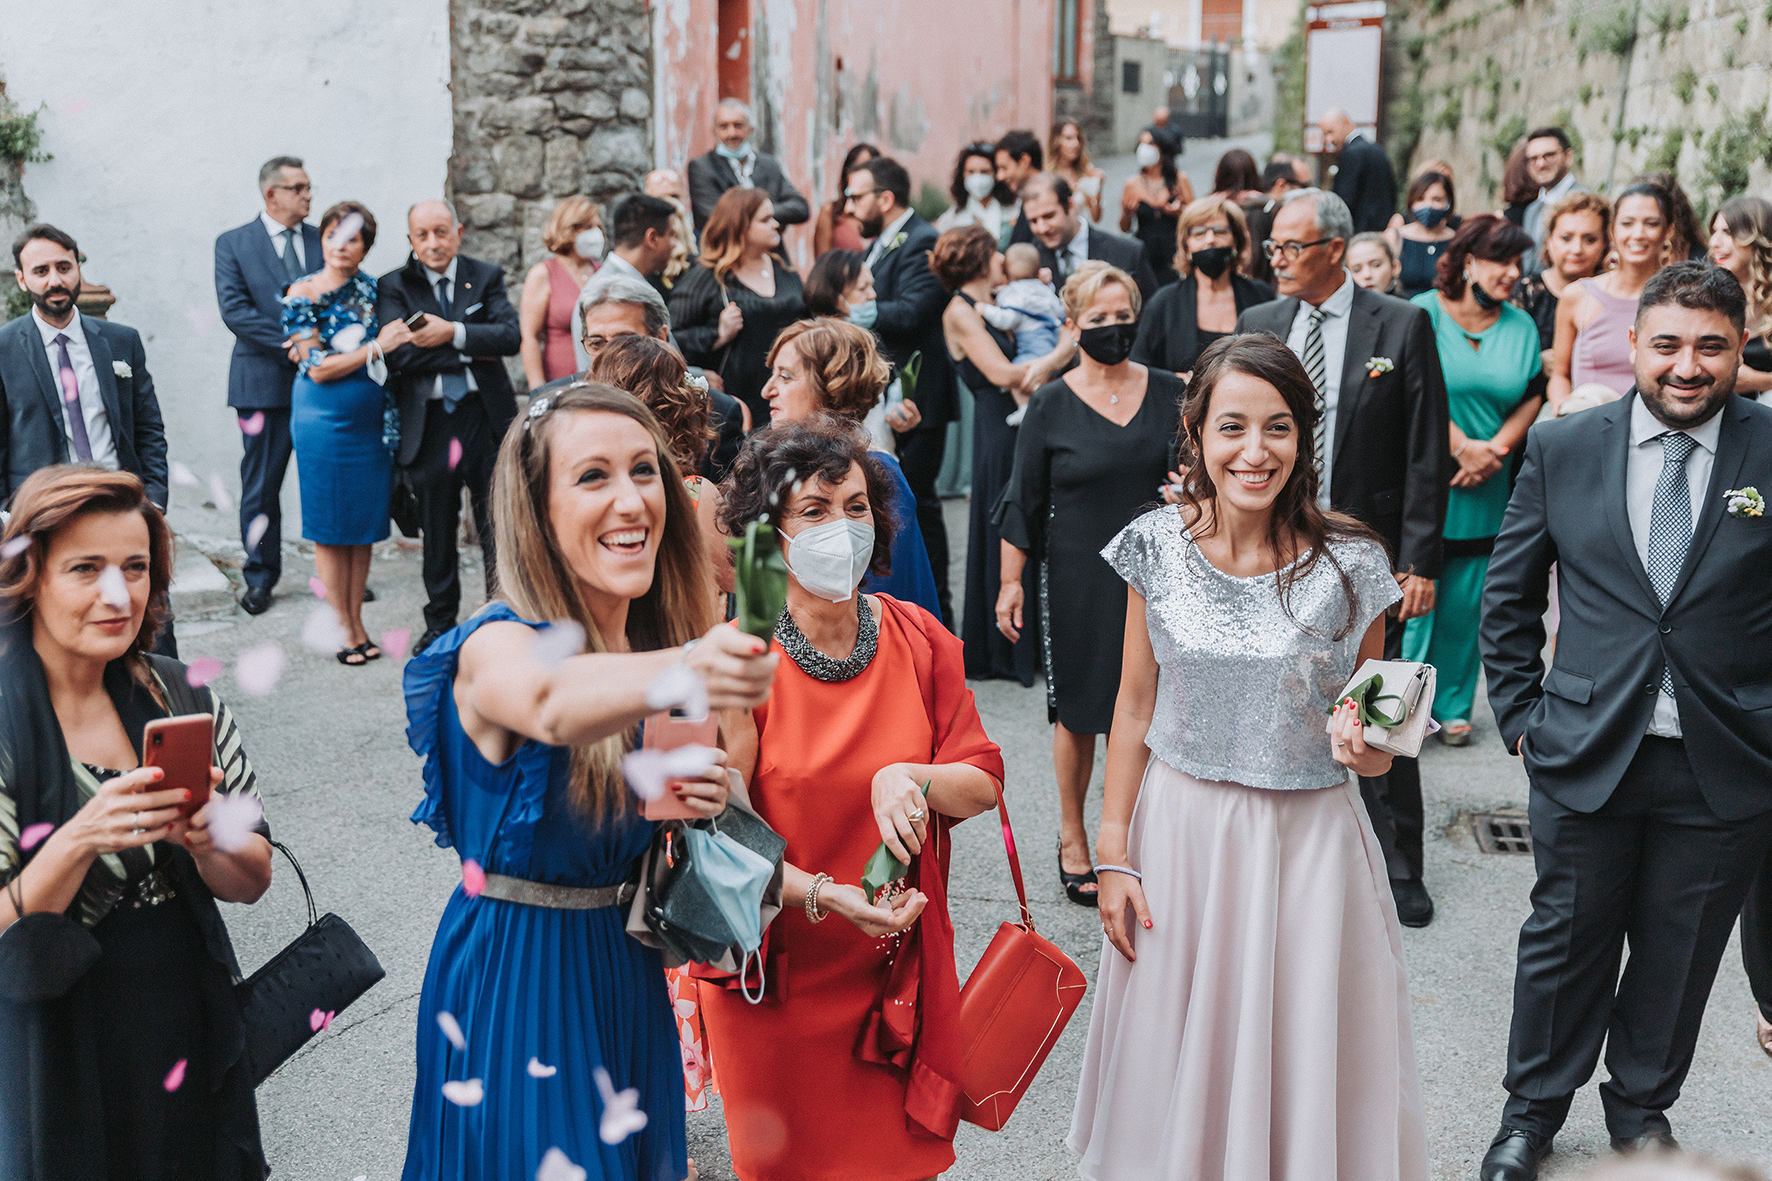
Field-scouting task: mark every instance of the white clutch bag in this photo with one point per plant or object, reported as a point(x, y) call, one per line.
point(1396, 700)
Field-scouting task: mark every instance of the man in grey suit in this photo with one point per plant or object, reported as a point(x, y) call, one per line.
point(254, 264)
point(1067, 241)
point(735, 162)
point(1649, 741)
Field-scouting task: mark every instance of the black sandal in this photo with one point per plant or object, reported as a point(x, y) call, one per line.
point(370, 650)
point(1074, 882)
point(345, 654)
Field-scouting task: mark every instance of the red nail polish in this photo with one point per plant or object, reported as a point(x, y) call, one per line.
point(187, 795)
point(1147, 924)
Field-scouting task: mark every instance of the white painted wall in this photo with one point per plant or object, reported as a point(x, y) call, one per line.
point(159, 115)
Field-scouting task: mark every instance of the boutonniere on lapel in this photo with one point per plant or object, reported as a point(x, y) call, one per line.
point(1745, 502)
point(898, 240)
point(122, 369)
point(1379, 366)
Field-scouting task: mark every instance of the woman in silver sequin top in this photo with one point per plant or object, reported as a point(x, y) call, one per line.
point(1252, 1018)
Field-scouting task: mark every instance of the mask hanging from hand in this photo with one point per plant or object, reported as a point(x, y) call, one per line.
point(1108, 344)
point(980, 185)
point(589, 245)
point(829, 560)
point(1213, 260)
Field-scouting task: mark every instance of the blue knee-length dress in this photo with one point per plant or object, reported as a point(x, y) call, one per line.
point(566, 987)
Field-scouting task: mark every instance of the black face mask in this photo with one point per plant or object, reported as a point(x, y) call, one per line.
point(1108, 344)
point(1484, 300)
point(1212, 261)
point(1430, 216)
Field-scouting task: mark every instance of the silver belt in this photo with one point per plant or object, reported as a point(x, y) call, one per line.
point(530, 893)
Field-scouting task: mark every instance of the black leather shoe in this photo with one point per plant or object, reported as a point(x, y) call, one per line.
point(431, 636)
point(368, 595)
point(1514, 1155)
point(1650, 1142)
point(256, 600)
point(1414, 907)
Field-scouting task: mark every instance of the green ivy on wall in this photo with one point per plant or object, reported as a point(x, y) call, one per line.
point(21, 140)
point(1288, 66)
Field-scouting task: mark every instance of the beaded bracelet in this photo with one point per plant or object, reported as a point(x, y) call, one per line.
point(813, 914)
point(1119, 869)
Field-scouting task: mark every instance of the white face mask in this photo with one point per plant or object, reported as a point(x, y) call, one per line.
point(589, 245)
point(1148, 154)
point(829, 560)
point(980, 185)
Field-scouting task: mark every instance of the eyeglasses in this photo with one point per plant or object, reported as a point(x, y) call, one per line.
point(1291, 250)
point(1221, 230)
point(1544, 157)
point(298, 190)
point(855, 196)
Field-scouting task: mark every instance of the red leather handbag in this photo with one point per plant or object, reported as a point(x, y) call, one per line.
point(1015, 1004)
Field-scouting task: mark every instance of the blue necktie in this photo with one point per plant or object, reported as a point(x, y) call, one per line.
point(455, 384)
point(291, 264)
point(1670, 525)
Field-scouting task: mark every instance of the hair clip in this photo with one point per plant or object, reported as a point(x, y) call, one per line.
point(537, 408)
point(696, 382)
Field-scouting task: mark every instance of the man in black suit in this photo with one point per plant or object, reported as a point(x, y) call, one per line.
point(909, 301)
point(1649, 742)
point(1019, 158)
point(453, 392)
point(735, 161)
point(1383, 452)
point(254, 264)
point(1066, 241)
point(1363, 176)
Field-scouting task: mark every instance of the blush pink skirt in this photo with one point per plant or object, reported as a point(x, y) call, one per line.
point(1263, 1033)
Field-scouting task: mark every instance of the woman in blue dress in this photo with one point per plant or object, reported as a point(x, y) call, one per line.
point(336, 417)
point(522, 753)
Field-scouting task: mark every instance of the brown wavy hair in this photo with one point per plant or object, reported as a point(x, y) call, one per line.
point(48, 501)
point(961, 255)
point(336, 214)
point(842, 362)
point(723, 238)
point(1488, 236)
point(656, 373)
point(536, 582)
point(1298, 530)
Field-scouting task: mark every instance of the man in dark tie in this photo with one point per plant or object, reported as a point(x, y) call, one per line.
point(254, 265)
point(453, 391)
point(1067, 241)
point(1649, 741)
point(735, 162)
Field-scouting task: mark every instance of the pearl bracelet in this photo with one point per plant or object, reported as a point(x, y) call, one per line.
point(1119, 869)
point(813, 914)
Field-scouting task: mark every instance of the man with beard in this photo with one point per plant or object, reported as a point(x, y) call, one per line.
point(1649, 742)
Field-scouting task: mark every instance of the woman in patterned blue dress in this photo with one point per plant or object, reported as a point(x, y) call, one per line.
point(336, 417)
point(522, 752)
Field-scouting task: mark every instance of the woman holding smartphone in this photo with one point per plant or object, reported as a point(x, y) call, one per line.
point(137, 1069)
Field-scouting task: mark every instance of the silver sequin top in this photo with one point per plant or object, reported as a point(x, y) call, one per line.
point(1243, 685)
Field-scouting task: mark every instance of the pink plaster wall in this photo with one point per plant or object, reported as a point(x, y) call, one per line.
point(919, 78)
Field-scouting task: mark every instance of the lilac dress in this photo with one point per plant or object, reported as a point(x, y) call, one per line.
point(1602, 349)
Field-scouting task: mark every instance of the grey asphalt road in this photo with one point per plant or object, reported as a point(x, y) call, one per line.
point(340, 783)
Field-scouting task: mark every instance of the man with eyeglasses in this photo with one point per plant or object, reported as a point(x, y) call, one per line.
point(254, 265)
point(1382, 448)
point(1549, 158)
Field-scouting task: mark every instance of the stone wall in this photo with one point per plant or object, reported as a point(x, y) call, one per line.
point(1640, 85)
point(550, 99)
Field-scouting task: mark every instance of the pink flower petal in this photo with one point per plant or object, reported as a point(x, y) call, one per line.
point(259, 668)
point(15, 547)
point(255, 532)
point(473, 878)
point(252, 424)
point(645, 772)
point(468, 1093)
point(28, 839)
point(557, 642)
point(184, 475)
point(202, 670)
point(322, 632)
point(454, 453)
point(321, 1019)
point(348, 227)
point(76, 106)
point(395, 641)
point(219, 494)
point(452, 1030)
point(233, 820)
point(175, 1078)
point(315, 585)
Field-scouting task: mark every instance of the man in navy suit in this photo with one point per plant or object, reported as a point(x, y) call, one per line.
point(254, 265)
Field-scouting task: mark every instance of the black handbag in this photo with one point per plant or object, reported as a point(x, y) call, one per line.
point(324, 970)
point(403, 506)
point(680, 908)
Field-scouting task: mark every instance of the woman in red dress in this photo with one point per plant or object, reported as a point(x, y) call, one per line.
point(860, 1016)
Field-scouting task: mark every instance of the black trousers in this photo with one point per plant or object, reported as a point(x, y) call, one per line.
point(439, 498)
point(263, 465)
point(920, 454)
point(1756, 938)
point(1393, 800)
point(1653, 865)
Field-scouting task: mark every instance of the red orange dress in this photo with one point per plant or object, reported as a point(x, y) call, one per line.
point(800, 1104)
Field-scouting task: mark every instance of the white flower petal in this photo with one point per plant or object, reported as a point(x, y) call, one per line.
point(558, 641)
point(452, 1030)
point(322, 632)
point(113, 592)
point(557, 1166)
point(232, 819)
point(258, 668)
point(464, 1092)
point(679, 687)
point(538, 1070)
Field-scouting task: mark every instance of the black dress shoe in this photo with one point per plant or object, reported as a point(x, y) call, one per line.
point(256, 600)
point(431, 636)
point(1650, 1142)
point(368, 595)
point(1514, 1155)
point(1414, 907)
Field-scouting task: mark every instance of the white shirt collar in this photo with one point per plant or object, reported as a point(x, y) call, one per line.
point(1352, 136)
point(1079, 244)
point(1342, 302)
point(1556, 191)
point(76, 335)
point(276, 228)
point(621, 265)
point(1645, 426)
point(887, 234)
point(447, 272)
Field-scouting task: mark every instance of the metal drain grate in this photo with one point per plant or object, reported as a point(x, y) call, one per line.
point(1502, 832)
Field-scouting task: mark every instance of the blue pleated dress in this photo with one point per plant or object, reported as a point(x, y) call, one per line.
point(912, 579)
point(567, 987)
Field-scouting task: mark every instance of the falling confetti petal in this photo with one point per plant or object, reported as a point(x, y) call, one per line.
point(322, 632)
point(395, 641)
point(175, 1078)
point(452, 1030)
point(321, 1019)
point(259, 667)
point(558, 641)
point(464, 1094)
point(537, 1070)
point(28, 839)
point(454, 453)
point(201, 671)
point(622, 1116)
point(233, 820)
point(219, 494)
point(557, 1166)
point(15, 547)
point(253, 423)
point(315, 585)
point(647, 771)
point(473, 878)
point(184, 475)
point(113, 592)
point(76, 106)
point(204, 318)
point(679, 687)
point(347, 228)
point(255, 532)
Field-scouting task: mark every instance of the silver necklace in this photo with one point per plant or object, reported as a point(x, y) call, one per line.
point(816, 664)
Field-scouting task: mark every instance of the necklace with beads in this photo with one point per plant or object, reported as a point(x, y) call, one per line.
point(816, 664)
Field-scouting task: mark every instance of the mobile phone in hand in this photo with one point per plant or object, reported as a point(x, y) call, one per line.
point(415, 321)
point(668, 730)
point(183, 748)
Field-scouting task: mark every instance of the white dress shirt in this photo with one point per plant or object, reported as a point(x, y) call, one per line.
point(886, 235)
point(437, 279)
point(92, 402)
point(1334, 330)
point(277, 229)
point(1642, 470)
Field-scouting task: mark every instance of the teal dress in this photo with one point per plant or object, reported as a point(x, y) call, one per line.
point(1484, 385)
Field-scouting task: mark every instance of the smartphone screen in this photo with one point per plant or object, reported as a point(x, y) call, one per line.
point(668, 731)
point(183, 748)
point(415, 321)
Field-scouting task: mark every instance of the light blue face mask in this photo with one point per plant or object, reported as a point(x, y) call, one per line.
point(862, 314)
point(736, 879)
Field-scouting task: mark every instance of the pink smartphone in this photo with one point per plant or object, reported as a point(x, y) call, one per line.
point(183, 748)
point(667, 731)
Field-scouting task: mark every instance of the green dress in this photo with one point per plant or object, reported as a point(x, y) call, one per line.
point(1484, 385)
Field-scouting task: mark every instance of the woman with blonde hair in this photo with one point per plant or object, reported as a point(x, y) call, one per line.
point(1067, 155)
point(574, 239)
point(522, 715)
point(1577, 238)
point(1741, 243)
point(727, 311)
point(1184, 318)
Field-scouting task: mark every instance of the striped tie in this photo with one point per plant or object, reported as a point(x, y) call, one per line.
point(1670, 525)
point(1316, 365)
